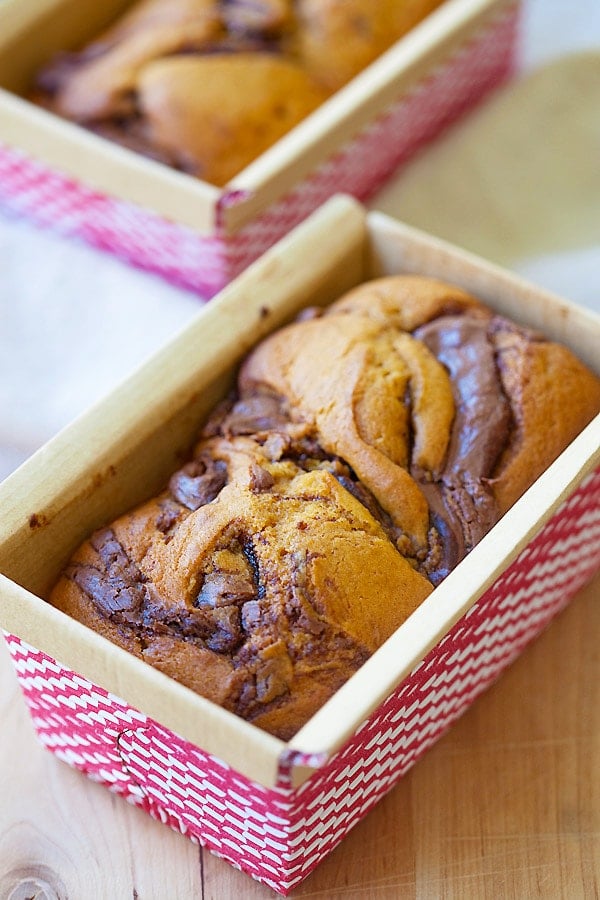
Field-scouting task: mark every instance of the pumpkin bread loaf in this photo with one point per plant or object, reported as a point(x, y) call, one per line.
point(367, 449)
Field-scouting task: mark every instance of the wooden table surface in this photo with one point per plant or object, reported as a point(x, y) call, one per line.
point(506, 805)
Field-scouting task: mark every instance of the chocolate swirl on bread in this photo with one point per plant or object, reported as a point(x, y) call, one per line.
point(368, 448)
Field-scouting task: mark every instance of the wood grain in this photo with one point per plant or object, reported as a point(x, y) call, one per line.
point(507, 805)
point(63, 837)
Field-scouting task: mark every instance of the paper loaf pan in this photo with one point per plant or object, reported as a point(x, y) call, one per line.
point(200, 236)
point(276, 809)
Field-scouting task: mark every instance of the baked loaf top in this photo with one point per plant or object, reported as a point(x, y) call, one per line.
point(368, 448)
point(207, 85)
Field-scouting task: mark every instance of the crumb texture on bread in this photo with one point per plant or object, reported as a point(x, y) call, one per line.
point(368, 447)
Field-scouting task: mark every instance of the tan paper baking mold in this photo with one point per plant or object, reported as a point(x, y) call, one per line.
point(122, 450)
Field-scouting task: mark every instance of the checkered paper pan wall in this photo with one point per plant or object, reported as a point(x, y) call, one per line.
point(276, 809)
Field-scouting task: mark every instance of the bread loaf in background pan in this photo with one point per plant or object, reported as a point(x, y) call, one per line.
point(206, 86)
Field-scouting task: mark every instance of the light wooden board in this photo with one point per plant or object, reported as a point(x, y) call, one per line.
point(507, 804)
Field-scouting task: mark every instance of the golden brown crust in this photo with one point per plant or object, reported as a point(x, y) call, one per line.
point(333, 399)
point(406, 302)
point(254, 99)
point(106, 85)
point(553, 396)
point(150, 15)
point(337, 39)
